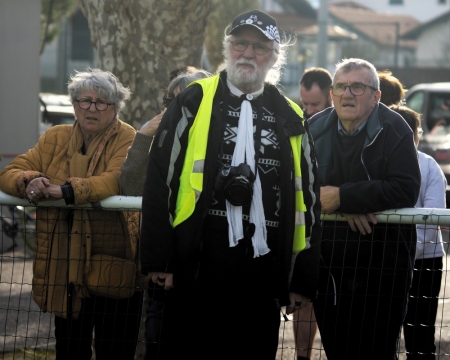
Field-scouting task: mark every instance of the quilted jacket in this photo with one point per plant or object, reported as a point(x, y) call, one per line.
point(93, 177)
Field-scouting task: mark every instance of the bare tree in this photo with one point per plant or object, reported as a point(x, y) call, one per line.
point(142, 41)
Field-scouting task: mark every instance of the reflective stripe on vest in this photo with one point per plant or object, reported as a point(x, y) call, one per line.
point(300, 207)
point(191, 179)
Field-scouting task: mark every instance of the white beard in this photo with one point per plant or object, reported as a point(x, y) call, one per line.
point(245, 78)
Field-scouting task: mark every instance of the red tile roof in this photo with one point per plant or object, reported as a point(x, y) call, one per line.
point(292, 23)
point(377, 26)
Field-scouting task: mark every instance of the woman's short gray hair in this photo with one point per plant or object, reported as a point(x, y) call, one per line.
point(184, 79)
point(105, 83)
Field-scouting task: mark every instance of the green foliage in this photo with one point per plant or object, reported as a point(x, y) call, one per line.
point(53, 12)
point(222, 14)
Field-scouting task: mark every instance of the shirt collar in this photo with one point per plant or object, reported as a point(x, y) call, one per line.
point(342, 130)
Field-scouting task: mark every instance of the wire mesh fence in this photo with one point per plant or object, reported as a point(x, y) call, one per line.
point(27, 332)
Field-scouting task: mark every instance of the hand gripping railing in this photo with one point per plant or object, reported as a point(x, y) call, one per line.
point(111, 203)
point(430, 216)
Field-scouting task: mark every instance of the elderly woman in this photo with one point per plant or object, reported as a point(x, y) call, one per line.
point(80, 163)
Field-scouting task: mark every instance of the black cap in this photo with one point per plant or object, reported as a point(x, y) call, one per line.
point(260, 20)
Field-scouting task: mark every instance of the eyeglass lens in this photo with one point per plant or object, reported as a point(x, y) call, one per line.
point(355, 89)
point(99, 105)
point(258, 48)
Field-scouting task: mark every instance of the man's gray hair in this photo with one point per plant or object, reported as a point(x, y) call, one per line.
point(347, 65)
point(278, 57)
point(105, 83)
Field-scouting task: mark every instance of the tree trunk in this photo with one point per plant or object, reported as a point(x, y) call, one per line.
point(141, 41)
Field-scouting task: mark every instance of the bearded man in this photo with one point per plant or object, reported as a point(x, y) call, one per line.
point(231, 205)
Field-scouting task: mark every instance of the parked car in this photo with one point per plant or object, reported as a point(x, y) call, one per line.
point(432, 101)
point(55, 110)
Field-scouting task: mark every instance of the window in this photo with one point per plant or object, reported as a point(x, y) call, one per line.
point(395, 2)
point(415, 101)
point(81, 38)
point(439, 110)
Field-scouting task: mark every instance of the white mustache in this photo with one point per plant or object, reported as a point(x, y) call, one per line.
point(246, 62)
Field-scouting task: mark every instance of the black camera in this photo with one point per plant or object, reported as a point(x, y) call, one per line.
point(236, 184)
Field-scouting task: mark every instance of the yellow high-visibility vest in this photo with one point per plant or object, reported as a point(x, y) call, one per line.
point(191, 179)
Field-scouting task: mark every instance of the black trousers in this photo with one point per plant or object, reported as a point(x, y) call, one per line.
point(418, 328)
point(230, 312)
point(361, 319)
point(114, 322)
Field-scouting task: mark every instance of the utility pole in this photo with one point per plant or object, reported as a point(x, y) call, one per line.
point(396, 44)
point(322, 51)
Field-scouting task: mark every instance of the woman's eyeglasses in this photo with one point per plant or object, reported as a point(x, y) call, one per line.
point(166, 100)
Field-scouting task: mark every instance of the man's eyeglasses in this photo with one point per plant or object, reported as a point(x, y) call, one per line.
point(100, 105)
point(258, 48)
point(420, 131)
point(355, 88)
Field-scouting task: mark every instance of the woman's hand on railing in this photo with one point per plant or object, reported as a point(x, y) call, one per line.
point(41, 189)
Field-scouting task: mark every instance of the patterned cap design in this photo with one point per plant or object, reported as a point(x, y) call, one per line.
point(262, 21)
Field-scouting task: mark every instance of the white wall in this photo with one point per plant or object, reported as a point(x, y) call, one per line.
point(270, 6)
point(433, 46)
point(422, 10)
point(19, 76)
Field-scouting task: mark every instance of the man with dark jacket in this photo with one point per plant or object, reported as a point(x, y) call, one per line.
point(231, 205)
point(367, 163)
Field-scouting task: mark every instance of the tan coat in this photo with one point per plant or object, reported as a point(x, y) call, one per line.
point(93, 176)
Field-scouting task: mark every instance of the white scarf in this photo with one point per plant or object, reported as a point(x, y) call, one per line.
point(245, 152)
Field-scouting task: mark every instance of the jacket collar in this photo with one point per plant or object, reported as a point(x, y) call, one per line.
point(329, 118)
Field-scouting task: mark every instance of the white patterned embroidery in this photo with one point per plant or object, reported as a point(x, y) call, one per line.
point(272, 33)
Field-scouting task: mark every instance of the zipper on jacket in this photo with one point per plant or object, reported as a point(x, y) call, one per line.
point(362, 152)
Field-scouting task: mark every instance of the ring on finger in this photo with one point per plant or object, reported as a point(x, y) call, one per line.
point(32, 192)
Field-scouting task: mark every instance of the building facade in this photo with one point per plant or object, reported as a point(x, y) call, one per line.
point(422, 10)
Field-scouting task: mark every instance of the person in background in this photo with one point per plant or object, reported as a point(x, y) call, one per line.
point(80, 163)
point(315, 86)
point(231, 204)
point(134, 169)
point(132, 179)
point(418, 327)
point(315, 95)
point(392, 90)
point(367, 163)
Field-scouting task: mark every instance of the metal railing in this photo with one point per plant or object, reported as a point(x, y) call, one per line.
point(23, 326)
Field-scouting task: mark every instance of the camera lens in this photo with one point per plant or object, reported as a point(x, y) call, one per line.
point(238, 191)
